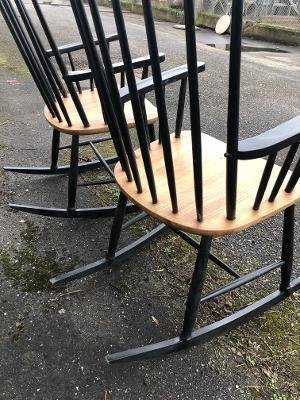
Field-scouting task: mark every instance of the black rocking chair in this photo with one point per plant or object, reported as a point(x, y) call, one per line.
point(194, 183)
point(76, 114)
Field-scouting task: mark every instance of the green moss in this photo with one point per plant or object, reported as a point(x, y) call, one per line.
point(107, 195)
point(29, 268)
point(267, 348)
point(107, 148)
point(142, 226)
point(3, 61)
point(207, 20)
point(13, 62)
point(178, 6)
point(276, 27)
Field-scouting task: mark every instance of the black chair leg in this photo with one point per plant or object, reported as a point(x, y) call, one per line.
point(193, 300)
point(116, 227)
point(192, 337)
point(151, 130)
point(113, 257)
point(55, 150)
point(71, 211)
point(287, 247)
point(73, 174)
point(196, 287)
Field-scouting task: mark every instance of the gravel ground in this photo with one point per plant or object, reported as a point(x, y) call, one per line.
point(53, 342)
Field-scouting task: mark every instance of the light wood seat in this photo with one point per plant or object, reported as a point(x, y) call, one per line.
point(91, 104)
point(214, 169)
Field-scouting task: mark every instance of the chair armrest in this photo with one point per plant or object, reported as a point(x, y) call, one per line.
point(112, 37)
point(172, 75)
point(68, 48)
point(270, 141)
point(139, 62)
point(82, 75)
point(78, 75)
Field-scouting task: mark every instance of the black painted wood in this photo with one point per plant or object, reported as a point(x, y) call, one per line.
point(270, 141)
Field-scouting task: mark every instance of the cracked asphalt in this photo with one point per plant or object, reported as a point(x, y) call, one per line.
point(53, 342)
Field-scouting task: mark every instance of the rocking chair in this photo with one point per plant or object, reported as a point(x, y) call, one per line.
point(194, 183)
point(76, 114)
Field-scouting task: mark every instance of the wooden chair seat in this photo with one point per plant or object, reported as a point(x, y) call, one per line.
point(91, 104)
point(214, 168)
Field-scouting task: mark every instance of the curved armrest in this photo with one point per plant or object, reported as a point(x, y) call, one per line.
point(270, 141)
point(78, 75)
point(68, 48)
point(139, 62)
point(82, 75)
point(172, 75)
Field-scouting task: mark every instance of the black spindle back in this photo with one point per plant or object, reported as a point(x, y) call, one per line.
point(102, 68)
point(160, 101)
point(52, 76)
point(159, 83)
point(32, 61)
point(288, 131)
point(134, 96)
point(60, 63)
point(115, 91)
point(194, 104)
point(37, 43)
point(233, 107)
point(101, 82)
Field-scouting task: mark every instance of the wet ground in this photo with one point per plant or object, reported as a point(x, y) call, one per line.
point(53, 342)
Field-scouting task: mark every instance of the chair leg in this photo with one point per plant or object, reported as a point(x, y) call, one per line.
point(111, 252)
point(54, 169)
point(71, 211)
point(73, 174)
point(196, 287)
point(115, 234)
point(193, 300)
point(113, 257)
point(151, 131)
point(191, 336)
point(287, 247)
point(55, 150)
point(207, 332)
point(116, 227)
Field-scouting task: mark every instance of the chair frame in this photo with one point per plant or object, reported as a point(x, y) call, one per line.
point(29, 41)
point(266, 144)
point(113, 257)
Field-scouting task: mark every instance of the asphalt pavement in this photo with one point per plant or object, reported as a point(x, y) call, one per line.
point(53, 342)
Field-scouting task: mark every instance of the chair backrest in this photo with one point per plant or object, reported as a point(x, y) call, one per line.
point(29, 57)
point(38, 46)
point(38, 59)
point(39, 63)
point(287, 134)
point(34, 55)
point(62, 65)
point(105, 81)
